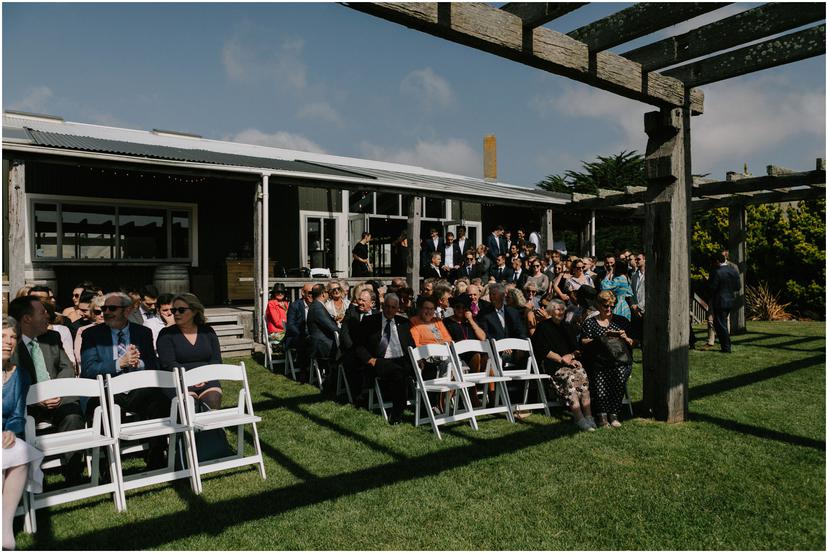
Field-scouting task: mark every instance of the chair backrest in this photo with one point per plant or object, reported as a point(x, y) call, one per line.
point(472, 346)
point(218, 371)
point(515, 344)
point(434, 350)
point(140, 379)
point(62, 387)
point(320, 272)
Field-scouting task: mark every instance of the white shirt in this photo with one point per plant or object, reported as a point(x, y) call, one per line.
point(462, 243)
point(501, 314)
point(448, 256)
point(66, 340)
point(394, 349)
point(155, 324)
point(534, 238)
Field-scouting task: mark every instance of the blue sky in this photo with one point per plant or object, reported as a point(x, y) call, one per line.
point(323, 77)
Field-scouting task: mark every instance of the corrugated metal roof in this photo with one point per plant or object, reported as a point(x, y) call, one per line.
point(89, 144)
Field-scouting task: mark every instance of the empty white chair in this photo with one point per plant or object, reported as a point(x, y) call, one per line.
point(94, 437)
point(485, 377)
point(320, 272)
point(527, 372)
point(450, 382)
point(169, 426)
point(238, 416)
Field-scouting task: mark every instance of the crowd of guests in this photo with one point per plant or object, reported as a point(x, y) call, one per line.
point(583, 319)
point(100, 333)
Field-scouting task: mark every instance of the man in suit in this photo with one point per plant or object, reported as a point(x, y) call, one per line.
point(477, 306)
point(723, 285)
point(469, 268)
point(119, 346)
point(147, 308)
point(500, 272)
point(518, 275)
point(296, 332)
point(40, 352)
point(463, 243)
point(494, 244)
point(637, 283)
point(322, 332)
point(362, 307)
point(382, 348)
point(502, 321)
point(433, 270)
point(452, 258)
point(432, 244)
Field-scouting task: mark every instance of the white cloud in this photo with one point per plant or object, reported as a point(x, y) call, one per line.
point(279, 139)
point(452, 156)
point(244, 62)
point(321, 111)
point(428, 88)
point(36, 99)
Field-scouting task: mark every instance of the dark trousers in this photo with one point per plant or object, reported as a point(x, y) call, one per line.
point(67, 416)
point(394, 372)
point(720, 315)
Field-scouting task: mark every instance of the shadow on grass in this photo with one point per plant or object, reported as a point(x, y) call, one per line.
point(760, 432)
point(738, 381)
point(784, 345)
point(161, 530)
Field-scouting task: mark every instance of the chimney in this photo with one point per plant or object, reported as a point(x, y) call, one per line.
point(490, 157)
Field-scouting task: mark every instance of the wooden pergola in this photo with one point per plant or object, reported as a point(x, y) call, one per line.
point(515, 31)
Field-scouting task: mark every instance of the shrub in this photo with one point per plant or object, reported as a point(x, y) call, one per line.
point(762, 305)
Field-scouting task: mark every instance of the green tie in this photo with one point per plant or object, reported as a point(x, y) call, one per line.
point(39, 363)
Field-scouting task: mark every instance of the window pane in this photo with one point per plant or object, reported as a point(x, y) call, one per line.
point(88, 232)
point(361, 202)
point(143, 233)
point(329, 244)
point(388, 204)
point(435, 208)
point(315, 252)
point(180, 234)
point(45, 229)
point(406, 204)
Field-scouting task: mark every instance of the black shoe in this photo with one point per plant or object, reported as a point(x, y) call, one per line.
point(394, 418)
point(156, 460)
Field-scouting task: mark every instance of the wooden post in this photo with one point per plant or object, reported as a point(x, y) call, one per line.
point(265, 260)
point(17, 226)
point(737, 237)
point(667, 209)
point(258, 306)
point(415, 213)
point(592, 234)
point(546, 232)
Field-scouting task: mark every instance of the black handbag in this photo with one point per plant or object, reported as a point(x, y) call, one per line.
point(612, 350)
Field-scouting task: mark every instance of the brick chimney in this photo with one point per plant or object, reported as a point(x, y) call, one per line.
point(490, 157)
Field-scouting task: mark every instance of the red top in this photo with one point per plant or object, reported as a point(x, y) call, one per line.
point(276, 316)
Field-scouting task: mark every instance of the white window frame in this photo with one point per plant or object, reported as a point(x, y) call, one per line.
point(343, 253)
point(61, 200)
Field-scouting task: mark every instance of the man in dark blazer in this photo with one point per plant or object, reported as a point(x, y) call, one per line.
point(322, 335)
point(463, 243)
point(433, 270)
point(40, 353)
point(432, 244)
point(382, 348)
point(494, 243)
point(477, 306)
point(296, 330)
point(359, 309)
point(502, 321)
point(148, 307)
point(469, 269)
point(500, 272)
point(723, 285)
point(519, 275)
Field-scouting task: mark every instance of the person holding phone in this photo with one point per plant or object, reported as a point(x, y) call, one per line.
point(607, 358)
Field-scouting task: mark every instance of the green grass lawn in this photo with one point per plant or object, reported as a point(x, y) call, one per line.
point(746, 472)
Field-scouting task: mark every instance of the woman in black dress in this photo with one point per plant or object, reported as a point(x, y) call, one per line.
point(190, 343)
point(360, 265)
point(399, 255)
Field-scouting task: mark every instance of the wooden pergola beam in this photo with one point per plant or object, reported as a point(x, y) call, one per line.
point(815, 192)
point(637, 21)
point(770, 53)
point(501, 33)
point(755, 184)
point(535, 14)
point(757, 23)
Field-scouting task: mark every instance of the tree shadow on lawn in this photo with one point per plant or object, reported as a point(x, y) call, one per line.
point(159, 531)
point(760, 432)
point(784, 345)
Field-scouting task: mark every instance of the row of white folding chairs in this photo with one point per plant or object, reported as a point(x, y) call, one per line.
point(107, 431)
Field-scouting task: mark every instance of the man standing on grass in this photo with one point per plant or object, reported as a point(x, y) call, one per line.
point(722, 287)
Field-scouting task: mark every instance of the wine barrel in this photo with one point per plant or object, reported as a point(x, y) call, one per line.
point(172, 279)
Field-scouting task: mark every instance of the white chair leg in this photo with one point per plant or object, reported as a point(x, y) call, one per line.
point(378, 391)
point(94, 468)
point(191, 444)
point(542, 394)
point(258, 448)
point(240, 440)
point(417, 408)
point(424, 397)
point(502, 394)
point(469, 409)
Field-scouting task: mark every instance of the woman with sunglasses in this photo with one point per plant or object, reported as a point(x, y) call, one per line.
point(337, 302)
point(74, 313)
point(537, 277)
point(608, 358)
point(568, 284)
point(190, 344)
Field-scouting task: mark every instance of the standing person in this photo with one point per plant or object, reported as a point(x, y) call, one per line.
point(606, 272)
point(608, 358)
point(463, 244)
point(484, 263)
point(470, 269)
point(381, 346)
point(163, 316)
point(39, 352)
point(431, 244)
point(519, 276)
point(500, 272)
point(537, 277)
point(535, 238)
point(21, 461)
point(556, 351)
point(452, 258)
point(399, 254)
point(723, 285)
point(191, 343)
point(361, 265)
point(433, 270)
point(572, 283)
point(493, 243)
point(639, 293)
point(619, 285)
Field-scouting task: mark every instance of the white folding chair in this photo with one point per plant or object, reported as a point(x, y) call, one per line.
point(270, 360)
point(125, 432)
point(94, 437)
point(450, 382)
point(342, 385)
point(237, 416)
point(291, 357)
point(484, 377)
point(315, 374)
point(527, 374)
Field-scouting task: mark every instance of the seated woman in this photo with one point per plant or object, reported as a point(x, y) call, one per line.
point(190, 344)
point(462, 326)
point(21, 462)
point(427, 329)
point(608, 358)
point(338, 301)
point(276, 312)
point(556, 351)
point(94, 317)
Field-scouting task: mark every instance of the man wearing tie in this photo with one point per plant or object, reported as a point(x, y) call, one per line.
point(354, 315)
point(518, 276)
point(433, 244)
point(433, 270)
point(469, 269)
point(452, 256)
point(500, 272)
point(119, 346)
point(462, 242)
point(502, 321)
point(39, 352)
point(494, 243)
point(382, 347)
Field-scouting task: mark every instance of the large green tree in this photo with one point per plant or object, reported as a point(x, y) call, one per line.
point(613, 172)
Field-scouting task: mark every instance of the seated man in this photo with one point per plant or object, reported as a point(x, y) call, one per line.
point(296, 329)
point(147, 307)
point(39, 351)
point(502, 321)
point(120, 346)
point(357, 311)
point(322, 331)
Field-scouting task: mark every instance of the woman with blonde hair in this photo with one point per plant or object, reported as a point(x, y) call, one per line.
point(191, 343)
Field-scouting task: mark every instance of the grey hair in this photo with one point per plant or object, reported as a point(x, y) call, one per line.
point(392, 297)
point(557, 303)
point(496, 288)
point(10, 322)
point(125, 301)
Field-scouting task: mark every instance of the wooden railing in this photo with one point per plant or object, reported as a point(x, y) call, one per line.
point(698, 309)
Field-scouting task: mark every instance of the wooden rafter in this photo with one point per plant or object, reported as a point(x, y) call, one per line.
point(770, 53)
point(501, 33)
point(535, 14)
point(815, 192)
point(637, 21)
point(754, 184)
point(754, 24)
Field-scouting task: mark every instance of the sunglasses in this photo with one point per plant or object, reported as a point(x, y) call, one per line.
point(469, 259)
point(75, 295)
point(579, 266)
point(179, 310)
point(607, 305)
point(97, 311)
point(112, 307)
point(334, 290)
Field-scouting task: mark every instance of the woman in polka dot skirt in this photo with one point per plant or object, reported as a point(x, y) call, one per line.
point(607, 374)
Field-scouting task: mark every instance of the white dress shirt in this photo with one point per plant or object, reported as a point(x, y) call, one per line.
point(394, 349)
